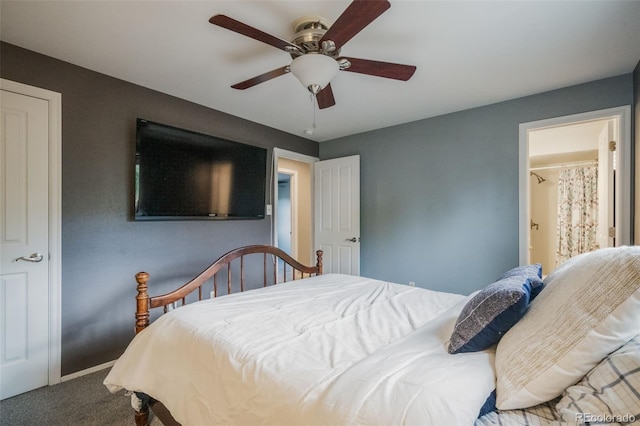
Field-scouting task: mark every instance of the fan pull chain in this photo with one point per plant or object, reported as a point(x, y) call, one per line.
point(312, 97)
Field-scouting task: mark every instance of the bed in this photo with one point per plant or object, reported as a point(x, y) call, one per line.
point(307, 348)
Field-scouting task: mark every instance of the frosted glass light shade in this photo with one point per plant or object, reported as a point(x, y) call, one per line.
point(314, 70)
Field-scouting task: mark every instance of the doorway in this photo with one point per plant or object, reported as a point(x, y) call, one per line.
point(574, 186)
point(332, 196)
point(286, 217)
point(293, 199)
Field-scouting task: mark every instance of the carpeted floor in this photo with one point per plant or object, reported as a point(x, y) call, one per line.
point(82, 401)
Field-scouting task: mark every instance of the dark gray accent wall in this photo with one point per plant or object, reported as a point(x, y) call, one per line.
point(102, 247)
point(439, 197)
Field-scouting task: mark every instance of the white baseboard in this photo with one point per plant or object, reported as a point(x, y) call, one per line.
point(87, 371)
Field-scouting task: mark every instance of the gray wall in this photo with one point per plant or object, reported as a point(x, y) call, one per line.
point(102, 247)
point(439, 197)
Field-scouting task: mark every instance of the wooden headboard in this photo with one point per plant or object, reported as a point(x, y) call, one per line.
point(270, 258)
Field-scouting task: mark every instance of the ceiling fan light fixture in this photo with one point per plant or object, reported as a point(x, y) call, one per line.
point(314, 70)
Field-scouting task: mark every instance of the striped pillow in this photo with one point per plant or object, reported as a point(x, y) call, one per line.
point(610, 393)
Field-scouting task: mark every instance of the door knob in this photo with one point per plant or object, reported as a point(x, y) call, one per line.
point(353, 239)
point(35, 257)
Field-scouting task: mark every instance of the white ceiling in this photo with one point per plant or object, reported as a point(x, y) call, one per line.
point(566, 138)
point(467, 54)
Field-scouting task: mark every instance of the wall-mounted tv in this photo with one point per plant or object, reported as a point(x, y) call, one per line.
point(184, 175)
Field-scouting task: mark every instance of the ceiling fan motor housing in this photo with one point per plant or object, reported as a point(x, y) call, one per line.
point(309, 31)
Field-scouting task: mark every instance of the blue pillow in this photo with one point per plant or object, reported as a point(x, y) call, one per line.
point(533, 272)
point(489, 405)
point(489, 314)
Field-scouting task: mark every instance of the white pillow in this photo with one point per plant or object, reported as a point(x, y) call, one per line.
point(590, 306)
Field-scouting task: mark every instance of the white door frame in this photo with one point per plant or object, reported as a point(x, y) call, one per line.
point(623, 175)
point(55, 217)
point(290, 155)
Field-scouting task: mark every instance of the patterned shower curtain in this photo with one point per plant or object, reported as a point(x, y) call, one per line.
point(577, 212)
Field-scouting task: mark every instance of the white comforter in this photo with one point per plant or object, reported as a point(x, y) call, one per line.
point(331, 350)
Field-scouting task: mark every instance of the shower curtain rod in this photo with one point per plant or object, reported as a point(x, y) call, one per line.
point(559, 166)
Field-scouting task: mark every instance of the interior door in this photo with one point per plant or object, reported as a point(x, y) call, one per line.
point(337, 214)
point(24, 277)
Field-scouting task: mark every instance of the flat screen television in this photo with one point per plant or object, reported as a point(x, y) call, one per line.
point(184, 175)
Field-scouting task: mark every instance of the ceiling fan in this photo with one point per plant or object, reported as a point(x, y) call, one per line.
point(315, 50)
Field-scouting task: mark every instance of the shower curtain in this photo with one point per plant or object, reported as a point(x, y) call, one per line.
point(577, 212)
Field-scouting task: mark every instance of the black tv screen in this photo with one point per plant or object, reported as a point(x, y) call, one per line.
point(186, 175)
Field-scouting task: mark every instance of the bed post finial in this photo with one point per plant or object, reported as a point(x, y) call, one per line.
point(319, 261)
point(142, 302)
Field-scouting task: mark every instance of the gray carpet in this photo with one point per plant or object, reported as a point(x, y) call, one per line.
point(81, 401)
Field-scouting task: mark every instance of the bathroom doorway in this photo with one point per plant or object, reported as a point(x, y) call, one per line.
point(576, 185)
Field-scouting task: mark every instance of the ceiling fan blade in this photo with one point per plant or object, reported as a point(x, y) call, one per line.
point(325, 97)
point(261, 78)
point(354, 19)
point(244, 29)
point(381, 69)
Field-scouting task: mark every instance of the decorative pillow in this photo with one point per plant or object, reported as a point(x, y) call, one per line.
point(533, 272)
point(489, 314)
point(489, 405)
point(589, 308)
point(610, 393)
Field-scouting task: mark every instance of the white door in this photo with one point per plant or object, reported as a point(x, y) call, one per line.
point(606, 190)
point(24, 245)
point(337, 214)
